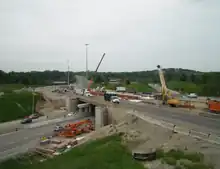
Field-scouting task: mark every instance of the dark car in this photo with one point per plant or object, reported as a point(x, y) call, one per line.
point(26, 120)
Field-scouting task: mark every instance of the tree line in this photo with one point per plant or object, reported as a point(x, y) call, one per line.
point(207, 82)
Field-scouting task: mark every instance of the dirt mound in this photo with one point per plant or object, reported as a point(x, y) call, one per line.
point(138, 134)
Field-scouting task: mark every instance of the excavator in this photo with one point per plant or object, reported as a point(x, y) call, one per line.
point(165, 93)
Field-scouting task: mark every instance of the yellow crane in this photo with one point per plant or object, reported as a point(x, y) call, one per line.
point(166, 94)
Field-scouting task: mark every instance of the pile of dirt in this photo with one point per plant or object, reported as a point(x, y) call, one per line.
point(138, 134)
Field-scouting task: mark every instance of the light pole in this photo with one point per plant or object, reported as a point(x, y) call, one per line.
point(68, 73)
point(86, 61)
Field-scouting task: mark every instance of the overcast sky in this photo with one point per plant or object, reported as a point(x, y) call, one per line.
point(134, 34)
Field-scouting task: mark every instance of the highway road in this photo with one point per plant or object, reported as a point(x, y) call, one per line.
point(20, 141)
point(12, 125)
point(176, 116)
point(171, 115)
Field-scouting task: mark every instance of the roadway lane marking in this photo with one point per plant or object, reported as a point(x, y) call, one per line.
point(10, 133)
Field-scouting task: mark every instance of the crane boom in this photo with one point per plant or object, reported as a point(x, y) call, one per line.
point(100, 62)
point(162, 79)
point(90, 82)
point(164, 90)
point(167, 98)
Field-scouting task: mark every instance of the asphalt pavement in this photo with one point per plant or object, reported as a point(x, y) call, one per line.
point(17, 142)
point(170, 114)
point(177, 116)
point(20, 141)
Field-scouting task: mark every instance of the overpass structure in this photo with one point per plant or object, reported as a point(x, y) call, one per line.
point(85, 106)
point(104, 112)
point(171, 115)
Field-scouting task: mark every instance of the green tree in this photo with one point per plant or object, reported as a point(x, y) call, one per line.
point(193, 77)
point(183, 77)
point(127, 82)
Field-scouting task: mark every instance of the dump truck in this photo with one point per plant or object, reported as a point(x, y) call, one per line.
point(213, 104)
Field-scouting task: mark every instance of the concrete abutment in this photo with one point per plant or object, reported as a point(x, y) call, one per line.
point(86, 110)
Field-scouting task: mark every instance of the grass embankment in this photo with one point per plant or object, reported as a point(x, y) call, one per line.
point(16, 105)
point(107, 153)
point(185, 87)
point(8, 88)
point(183, 160)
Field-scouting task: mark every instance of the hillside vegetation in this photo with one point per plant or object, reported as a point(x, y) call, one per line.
point(16, 105)
point(8, 88)
point(184, 80)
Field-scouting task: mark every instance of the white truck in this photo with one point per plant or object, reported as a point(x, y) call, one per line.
point(83, 92)
point(120, 89)
point(79, 91)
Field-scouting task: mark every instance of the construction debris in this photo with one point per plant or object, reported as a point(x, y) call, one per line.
point(64, 139)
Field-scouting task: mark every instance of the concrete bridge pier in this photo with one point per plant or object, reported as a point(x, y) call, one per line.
point(71, 105)
point(101, 117)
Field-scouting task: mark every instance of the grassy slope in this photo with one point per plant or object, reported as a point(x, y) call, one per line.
point(107, 153)
point(187, 87)
point(8, 88)
point(10, 109)
point(181, 159)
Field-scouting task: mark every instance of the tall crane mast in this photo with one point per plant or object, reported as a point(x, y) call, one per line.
point(164, 90)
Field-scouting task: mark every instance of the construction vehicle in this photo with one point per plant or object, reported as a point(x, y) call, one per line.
point(165, 94)
point(213, 105)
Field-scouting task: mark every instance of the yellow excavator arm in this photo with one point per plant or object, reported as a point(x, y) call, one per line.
point(166, 95)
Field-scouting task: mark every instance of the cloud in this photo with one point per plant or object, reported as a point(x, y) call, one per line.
point(136, 35)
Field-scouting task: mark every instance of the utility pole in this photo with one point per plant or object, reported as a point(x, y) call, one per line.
point(68, 73)
point(86, 61)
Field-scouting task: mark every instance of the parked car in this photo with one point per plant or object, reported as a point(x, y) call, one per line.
point(58, 128)
point(34, 116)
point(192, 95)
point(26, 120)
